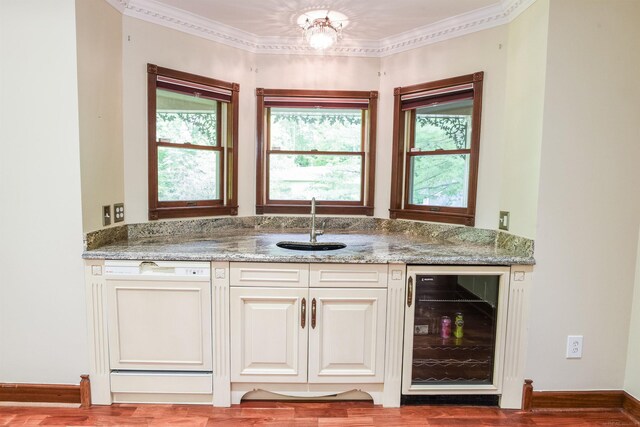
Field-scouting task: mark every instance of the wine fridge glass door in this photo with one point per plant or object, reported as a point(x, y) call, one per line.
point(454, 326)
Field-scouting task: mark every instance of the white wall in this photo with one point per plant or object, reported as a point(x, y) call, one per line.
point(524, 102)
point(589, 204)
point(144, 43)
point(42, 315)
point(481, 51)
point(632, 373)
point(99, 35)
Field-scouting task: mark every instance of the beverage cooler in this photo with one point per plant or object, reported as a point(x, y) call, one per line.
point(454, 330)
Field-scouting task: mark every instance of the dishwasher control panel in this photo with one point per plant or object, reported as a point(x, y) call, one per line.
point(145, 269)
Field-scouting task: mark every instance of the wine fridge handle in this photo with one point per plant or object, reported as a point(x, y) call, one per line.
point(303, 313)
point(410, 292)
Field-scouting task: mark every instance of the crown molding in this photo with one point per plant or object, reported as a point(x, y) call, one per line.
point(119, 5)
point(456, 26)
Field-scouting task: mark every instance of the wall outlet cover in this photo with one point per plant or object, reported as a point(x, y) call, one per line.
point(118, 212)
point(574, 346)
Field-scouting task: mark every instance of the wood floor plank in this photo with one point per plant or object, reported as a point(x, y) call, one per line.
point(309, 414)
point(346, 421)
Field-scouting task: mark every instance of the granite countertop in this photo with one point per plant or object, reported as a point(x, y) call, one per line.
point(374, 244)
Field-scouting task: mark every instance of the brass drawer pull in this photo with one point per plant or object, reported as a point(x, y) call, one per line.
point(303, 314)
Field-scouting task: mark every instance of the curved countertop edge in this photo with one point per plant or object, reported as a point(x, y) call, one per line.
point(390, 241)
point(312, 258)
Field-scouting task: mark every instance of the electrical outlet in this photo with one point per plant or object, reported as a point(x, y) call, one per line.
point(118, 212)
point(574, 346)
point(106, 215)
point(503, 221)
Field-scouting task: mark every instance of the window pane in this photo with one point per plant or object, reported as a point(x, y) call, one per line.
point(185, 119)
point(439, 180)
point(301, 177)
point(306, 129)
point(445, 126)
point(186, 174)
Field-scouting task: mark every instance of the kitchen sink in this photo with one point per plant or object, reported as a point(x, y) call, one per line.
point(309, 246)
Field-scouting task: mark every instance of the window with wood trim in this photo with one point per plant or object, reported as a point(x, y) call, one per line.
point(315, 144)
point(193, 134)
point(436, 143)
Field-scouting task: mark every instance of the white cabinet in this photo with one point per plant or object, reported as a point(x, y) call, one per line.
point(346, 343)
point(268, 341)
point(341, 329)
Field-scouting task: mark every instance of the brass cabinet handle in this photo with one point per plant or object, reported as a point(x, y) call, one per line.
point(303, 314)
point(410, 292)
point(313, 313)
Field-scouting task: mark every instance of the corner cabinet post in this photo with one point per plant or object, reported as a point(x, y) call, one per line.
point(516, 336)
point(221, 334)
point(99, 368)
point(395, 331)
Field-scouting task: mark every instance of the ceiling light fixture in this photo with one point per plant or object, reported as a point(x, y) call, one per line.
point(322, 28)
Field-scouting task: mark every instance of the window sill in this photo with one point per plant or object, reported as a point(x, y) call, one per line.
point(421, 215)
point(192, 211)
point(320, 209)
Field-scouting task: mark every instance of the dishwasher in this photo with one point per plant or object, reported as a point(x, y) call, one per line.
point(159, 327)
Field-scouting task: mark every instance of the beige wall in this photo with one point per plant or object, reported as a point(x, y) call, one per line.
point(99, 35)
point(144, 43)
point(589, 204)
point(481, 51)
point(632, 373)
point(42, 315)
point(524, 102)
point(588, 208)
point(151, 43)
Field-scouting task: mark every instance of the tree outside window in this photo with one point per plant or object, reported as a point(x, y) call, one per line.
point(435, 151)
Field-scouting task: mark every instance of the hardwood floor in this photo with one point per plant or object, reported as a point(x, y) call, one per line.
point(282, 414)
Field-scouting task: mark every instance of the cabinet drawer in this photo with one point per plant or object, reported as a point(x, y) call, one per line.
point(270, 275)
point(348, 275)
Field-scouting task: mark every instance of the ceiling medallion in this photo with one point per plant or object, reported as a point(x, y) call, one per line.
point(322, 28)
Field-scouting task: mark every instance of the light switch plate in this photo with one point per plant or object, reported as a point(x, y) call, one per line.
point(106, 215)
point(503, 222)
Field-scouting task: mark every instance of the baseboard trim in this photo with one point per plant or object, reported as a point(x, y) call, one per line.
point(631, 405)
point(604, 399)
point(49, 393)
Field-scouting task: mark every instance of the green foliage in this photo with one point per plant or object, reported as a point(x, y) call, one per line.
point(311, 129)
point(193, 128)
point(442, 132)
point(326, 177)
point(440, 180)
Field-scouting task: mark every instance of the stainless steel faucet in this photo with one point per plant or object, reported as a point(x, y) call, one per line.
point(314, 232)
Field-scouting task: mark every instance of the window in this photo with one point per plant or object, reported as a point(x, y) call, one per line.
point(193, 128)
point(315, 144)
point(436, 143)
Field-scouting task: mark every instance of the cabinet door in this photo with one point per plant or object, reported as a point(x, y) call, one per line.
point(268, 335)
point(347, 343)
point(159, 325)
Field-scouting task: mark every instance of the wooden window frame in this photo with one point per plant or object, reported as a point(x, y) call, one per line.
point(422, 94)
point(315, 98)
point(216, 89)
